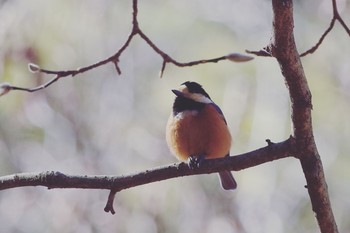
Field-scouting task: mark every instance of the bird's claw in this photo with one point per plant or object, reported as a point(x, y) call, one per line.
point(195, 161)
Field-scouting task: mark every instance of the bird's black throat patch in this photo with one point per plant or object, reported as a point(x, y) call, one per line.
point(182, 104)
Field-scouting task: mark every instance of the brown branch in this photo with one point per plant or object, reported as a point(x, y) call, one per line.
point(336, 16)
point(51, 180)
point(265, 52)
point(315, 47)
point(43, 86)
point(115, 59)
point(109, 205)
point(285, 51)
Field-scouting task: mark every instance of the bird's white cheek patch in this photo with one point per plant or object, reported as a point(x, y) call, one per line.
point(200, 98)
point(184, 114)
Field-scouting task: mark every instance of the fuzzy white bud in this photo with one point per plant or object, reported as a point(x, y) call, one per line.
point(34, 68)
point(237, 57)
point(5, 88)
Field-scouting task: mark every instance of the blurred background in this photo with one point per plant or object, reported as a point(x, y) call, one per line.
point(102, 123)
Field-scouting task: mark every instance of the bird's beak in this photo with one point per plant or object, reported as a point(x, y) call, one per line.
point(178, 93)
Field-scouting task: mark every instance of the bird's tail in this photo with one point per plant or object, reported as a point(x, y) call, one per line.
point(227, 180)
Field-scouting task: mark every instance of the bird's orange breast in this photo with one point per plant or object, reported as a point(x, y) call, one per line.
point(194, 133)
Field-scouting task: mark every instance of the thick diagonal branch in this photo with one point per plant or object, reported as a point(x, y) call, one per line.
point(52, 179)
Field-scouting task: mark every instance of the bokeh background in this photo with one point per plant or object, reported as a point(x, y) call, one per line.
point(102, 123)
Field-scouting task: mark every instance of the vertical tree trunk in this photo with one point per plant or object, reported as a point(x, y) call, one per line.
point(284, 49)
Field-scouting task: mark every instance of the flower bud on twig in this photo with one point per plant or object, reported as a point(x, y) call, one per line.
point(34, 68)
point(5, 88)
point(237, 57)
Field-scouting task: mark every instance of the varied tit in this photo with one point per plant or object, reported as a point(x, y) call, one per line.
point(197, 129)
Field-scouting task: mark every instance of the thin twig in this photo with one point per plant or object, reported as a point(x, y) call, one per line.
point(261, 53)
point(109, 205)
point(315, 47)
point(336, 16)
point(266, 52)
point(54, 79)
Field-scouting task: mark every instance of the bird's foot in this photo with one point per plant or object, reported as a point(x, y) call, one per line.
point(195, 160)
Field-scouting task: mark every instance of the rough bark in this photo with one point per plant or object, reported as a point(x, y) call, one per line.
point(284, 49)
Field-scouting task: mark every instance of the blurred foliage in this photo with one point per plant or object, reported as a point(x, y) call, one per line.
point(102, 123)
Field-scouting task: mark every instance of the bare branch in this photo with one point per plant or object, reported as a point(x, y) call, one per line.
point(51, 180)
point(45, 85)
point(109, 205)
point(265, 52)
point(341, 21)
point(336, 16)
point(315, 47)
point(115, 58)
point(162, 69)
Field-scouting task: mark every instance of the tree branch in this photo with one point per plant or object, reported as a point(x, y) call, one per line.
point(266, 52)
point(336, 16)
point(136, 30)
point(285, 51)
point(51, 179)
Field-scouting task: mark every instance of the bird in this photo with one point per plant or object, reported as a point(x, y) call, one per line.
point(197, 129)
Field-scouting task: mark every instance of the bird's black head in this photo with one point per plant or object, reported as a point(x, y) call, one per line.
point(190, 96)
point(194, 87)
